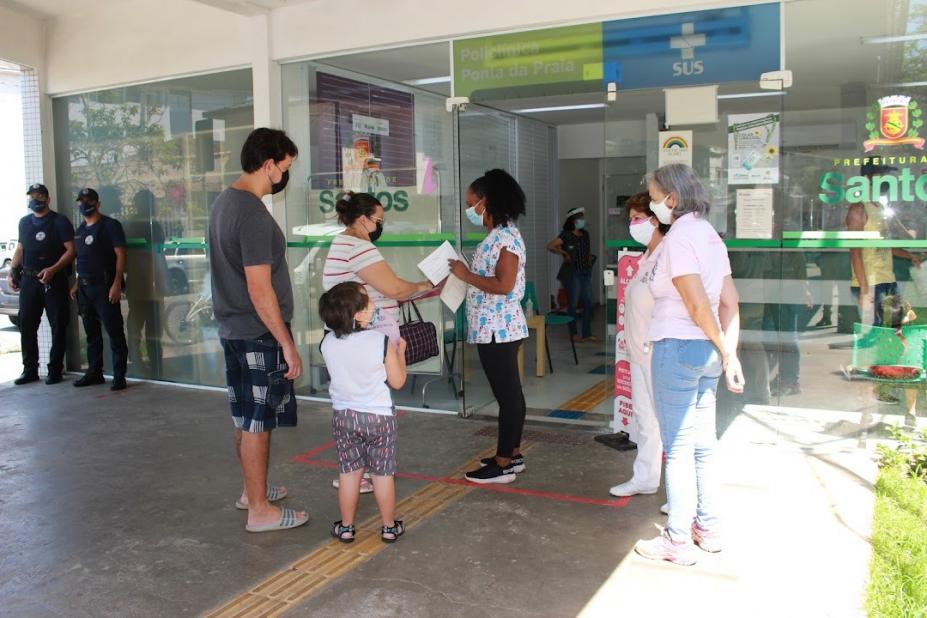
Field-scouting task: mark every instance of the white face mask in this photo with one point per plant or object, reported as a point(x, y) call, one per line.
point(663, 212)
point(642, 231)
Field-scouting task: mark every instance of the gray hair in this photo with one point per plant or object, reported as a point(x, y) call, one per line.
point(690, 193)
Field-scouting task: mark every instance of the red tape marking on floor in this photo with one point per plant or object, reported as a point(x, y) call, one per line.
point(305, 457)
point(502, 489)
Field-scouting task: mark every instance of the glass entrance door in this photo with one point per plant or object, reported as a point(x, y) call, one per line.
point(485, 139)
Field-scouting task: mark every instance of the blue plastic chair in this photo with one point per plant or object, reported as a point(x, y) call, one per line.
point(550, 319)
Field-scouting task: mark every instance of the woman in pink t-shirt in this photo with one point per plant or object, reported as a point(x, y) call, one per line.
point(645, 229)
point(693, 335)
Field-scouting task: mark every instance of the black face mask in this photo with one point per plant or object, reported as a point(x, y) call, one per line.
point(87, 210)
point(277, 187)
point(37, 205)
point(374, 235)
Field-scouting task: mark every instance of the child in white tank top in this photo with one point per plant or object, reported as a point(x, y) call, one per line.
point(363, 366)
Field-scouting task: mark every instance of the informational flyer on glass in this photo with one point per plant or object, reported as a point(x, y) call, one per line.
point(675, 147)
point(753, 149)
point(755, 213)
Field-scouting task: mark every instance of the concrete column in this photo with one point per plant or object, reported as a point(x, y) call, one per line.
point(268, 107)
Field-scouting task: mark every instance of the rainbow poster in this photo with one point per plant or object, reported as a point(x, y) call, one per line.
point(675, 147)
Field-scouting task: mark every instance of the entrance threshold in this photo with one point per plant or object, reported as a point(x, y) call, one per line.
point(221, 389)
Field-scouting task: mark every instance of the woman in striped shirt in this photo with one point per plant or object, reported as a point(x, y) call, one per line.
point(353, 257)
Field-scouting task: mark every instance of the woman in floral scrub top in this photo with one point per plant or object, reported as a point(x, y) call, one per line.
point(495, 320)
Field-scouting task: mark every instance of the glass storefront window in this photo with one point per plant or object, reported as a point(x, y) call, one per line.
point(159, 154)
point(852, 201)
point(360, 134)
point(840, 220)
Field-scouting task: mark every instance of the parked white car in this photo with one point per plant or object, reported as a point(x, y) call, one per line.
point(9, 300)
point(187, 268)
point(7, 248)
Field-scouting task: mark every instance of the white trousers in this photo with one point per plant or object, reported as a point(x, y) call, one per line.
point(649, 460)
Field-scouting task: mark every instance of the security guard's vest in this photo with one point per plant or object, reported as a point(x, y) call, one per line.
point(95, 256)
point(41, 245)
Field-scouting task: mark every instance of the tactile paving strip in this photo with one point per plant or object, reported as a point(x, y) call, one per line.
point(589, 398)
point(281, 591)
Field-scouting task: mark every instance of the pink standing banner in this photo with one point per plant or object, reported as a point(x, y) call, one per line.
point(628, 263)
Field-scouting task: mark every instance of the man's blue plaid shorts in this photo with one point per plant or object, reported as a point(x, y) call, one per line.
point(260, 397)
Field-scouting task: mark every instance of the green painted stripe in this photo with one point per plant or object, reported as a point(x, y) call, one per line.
point(142, 243)
point(623, 244)
point(752, 243)
point(396, 240)
point(816, 243)
point(732, 242)
point(383, 242)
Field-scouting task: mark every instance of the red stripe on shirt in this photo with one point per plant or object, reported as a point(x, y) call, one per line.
point(357, 255)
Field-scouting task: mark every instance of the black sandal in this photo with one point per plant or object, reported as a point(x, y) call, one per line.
point(339, 531)
point(396, 530)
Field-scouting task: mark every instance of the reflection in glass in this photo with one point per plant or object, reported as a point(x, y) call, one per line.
point(158, 154)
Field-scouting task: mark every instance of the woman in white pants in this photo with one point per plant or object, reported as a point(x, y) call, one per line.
point(639, 302)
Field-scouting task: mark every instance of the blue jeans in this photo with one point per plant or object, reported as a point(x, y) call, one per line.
point(685, 382)
point(580, 289)
point(880, 290)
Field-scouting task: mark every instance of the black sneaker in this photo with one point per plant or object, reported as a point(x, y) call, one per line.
point(53, 378)
point(119, 384)
point(26, 378)
point(518, 461)
point(89, 379)
point(492, 473)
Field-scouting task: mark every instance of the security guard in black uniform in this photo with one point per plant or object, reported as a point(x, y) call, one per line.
point(101, 263)
point(40, 269)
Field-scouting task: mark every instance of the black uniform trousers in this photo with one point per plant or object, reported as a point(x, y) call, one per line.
point(35, 297)
point(94, 305)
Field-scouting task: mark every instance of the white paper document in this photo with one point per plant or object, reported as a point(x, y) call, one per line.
point(454, 293)
point(435, 267)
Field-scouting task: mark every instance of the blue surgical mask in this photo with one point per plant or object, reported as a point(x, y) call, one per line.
point(37, 205)
point(580, 224)
point(474, 217)
point(374, 317)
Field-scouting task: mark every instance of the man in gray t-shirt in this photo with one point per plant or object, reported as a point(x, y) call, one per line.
point(253, 302)
point(243, 233)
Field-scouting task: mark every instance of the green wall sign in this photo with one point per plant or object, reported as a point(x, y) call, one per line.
point(547, 60)
point(906, 186)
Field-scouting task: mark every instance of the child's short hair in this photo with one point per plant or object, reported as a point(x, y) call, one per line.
point(338, 306)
